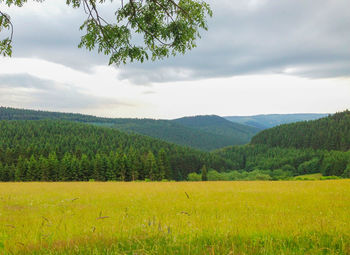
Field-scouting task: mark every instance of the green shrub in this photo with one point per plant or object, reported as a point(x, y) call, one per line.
point(194, 177)
point(214, 175)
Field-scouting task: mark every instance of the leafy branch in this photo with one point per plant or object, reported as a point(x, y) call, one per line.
point(167, 27)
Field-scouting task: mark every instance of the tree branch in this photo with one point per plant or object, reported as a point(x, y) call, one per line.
point(9, 22)
point(145, 30)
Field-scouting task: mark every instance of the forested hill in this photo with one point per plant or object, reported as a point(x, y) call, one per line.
point(217, 136)
point(56, 150)
point(233, 132)
point(8, 113)
point(176, 133)
point(265, 121)
point(329, 133)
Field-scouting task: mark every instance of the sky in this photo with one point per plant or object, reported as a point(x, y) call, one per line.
point(258, 57)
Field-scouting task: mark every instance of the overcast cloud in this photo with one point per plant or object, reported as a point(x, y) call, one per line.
point(299, 37)
point(296, 50)
point(28, 91)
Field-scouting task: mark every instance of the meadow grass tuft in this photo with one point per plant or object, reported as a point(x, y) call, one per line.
point(175, 218)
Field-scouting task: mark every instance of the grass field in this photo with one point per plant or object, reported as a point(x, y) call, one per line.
point(287, 217)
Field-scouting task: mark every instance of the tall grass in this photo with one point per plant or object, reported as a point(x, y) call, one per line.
point(175, 218)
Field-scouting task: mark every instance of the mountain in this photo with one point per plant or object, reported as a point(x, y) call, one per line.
point(328, 133)
point(220, 133)
point(272, 120)
point(234, 133)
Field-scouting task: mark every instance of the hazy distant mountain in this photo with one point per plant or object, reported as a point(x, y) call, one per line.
point(213, 132)
point(272, 120)
point(234, 132)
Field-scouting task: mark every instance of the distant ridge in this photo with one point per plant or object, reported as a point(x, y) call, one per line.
point(265, 121)
point(234, 132)
point(217, 134)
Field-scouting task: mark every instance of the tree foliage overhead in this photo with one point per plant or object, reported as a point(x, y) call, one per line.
point(167, 27)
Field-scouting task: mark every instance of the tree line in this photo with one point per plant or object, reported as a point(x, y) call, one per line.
point(56, 150)
point(295, 161)
point(115, 166)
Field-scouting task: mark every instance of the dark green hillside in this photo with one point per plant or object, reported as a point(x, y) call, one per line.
point(271, 120)
point(215, 135)
point(8, 113)
point(329, 133)
point(171, 131)
point(57, 150)
point(233, 132)
point(300, 148)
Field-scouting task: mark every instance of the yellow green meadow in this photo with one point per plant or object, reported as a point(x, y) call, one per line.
point(282, 217)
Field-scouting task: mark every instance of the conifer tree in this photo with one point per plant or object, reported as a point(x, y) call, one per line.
point(53, 165)
point(123, 167)
point(98, 165)
point(162, 165)
point(21, 169)
point(111, 170)
point(2, 173)
point(74, 174)
point(32, 171)
point(151, 166)
point(204, 173)
point(65, 169)
point(85, 168)
point(44, 168)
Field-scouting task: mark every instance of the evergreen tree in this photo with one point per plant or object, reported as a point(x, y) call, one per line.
point(98, 167)
point(5, 173)
point(85, 168)
point(74, 175)
point(151, 166)
point(111, 170)
point(33, 170)
point(2, 173)
point(53, 166)
point(204, 173)
point(64, 171)
point(21, 169)
point(123, 167)
point(134, 164)
point(346, 173)
point(44, 168)
point(163, 165)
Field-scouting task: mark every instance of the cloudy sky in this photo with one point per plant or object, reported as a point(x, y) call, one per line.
point(258, 57)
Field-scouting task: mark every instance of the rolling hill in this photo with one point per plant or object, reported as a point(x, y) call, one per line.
point(215, 132)
point(235, 133)
point(328, 133)
point(272, 120)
